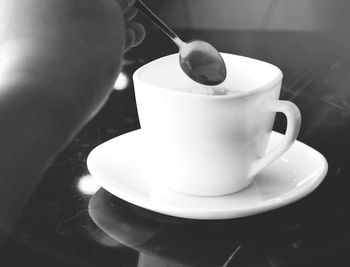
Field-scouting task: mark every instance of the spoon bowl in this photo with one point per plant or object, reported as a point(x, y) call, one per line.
point(202, 62)
point(199, 60)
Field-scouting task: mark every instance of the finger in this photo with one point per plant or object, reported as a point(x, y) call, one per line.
point(129, 38)
point(131, 13)
point(139, 31)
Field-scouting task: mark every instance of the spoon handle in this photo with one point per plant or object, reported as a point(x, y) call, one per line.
point(157, 21)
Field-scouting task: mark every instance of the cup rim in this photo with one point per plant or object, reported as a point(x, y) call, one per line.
point(259, 89)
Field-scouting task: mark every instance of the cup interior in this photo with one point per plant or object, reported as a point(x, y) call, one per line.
point(243, 74)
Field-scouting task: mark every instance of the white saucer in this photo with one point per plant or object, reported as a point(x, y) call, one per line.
point(118, 165)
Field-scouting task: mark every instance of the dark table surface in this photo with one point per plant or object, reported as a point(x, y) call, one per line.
point(57, 229)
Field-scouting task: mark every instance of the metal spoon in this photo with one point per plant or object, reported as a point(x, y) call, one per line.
point(198, 59)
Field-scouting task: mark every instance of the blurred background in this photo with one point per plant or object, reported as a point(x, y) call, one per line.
point(284, 32)
point(293, 15)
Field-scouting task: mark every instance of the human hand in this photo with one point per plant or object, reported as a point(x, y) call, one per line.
point(74, 44)
point(58, 62)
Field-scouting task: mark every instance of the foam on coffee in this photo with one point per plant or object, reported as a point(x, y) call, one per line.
point(211, 90)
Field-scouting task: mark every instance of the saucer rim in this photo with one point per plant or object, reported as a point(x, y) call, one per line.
point(214, 214)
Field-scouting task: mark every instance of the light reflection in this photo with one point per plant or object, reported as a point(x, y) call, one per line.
point(122, 81)
point(87, 185)
point(311, 177)
point(101, 237)
point(284, 159)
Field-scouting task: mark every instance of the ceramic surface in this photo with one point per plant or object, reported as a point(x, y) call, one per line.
point(119, 166)
point(203, 136)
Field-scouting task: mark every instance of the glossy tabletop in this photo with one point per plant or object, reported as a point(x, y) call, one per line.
point(70, 221)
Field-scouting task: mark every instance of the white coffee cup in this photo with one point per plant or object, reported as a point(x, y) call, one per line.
point(210, 145)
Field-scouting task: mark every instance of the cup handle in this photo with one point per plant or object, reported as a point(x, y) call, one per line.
point(293, 116)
